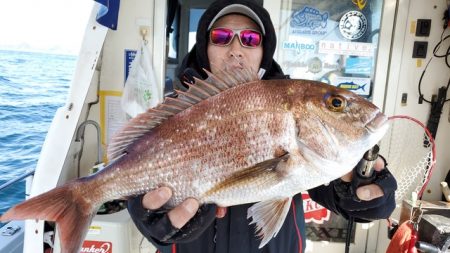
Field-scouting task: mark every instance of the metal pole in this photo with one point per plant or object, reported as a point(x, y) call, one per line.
point(17, 179)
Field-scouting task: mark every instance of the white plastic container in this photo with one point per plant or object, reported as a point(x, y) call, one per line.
point(113, 233)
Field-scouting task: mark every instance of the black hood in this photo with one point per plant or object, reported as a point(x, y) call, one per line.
point(197, 58)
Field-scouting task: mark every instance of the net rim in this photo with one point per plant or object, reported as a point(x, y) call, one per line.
point(433, 148)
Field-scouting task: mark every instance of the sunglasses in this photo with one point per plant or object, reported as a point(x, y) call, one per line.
point(223, 36)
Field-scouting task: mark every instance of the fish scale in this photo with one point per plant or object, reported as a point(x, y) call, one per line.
point(211, 168)
point(255, 141)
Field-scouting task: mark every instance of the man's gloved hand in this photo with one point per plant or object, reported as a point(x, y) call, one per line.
point(183, 223)
point(377, 199)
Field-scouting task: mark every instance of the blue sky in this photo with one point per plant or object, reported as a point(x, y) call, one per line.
point(55, 26)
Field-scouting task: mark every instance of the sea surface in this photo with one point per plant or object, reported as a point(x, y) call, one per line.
point(32, 87)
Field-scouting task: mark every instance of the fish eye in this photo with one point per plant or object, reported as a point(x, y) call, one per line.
point(336, 103)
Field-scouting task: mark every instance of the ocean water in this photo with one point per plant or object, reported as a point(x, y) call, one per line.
point(32, 87)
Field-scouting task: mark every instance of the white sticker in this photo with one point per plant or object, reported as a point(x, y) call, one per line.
point(353, 25)
point(346, 48)
point(94, 230)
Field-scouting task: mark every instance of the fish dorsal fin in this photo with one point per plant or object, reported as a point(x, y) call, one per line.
point(201, 90)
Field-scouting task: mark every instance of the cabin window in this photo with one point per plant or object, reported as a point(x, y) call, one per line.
point(335, 42)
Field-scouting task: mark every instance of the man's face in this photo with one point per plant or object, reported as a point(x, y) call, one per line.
point(245, 56)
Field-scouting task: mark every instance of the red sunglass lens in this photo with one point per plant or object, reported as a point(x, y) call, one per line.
point(221, 36)
point(250, 38)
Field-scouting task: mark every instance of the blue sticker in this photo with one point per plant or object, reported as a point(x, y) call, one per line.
point(129, 57)
point(359, 85)
point(309, 21)
point(352, 86)
point(358, 65)
point(296, 45)
point(310, 18)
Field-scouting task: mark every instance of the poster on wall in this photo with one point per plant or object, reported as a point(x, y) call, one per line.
point(129, 57)
point(330, 41)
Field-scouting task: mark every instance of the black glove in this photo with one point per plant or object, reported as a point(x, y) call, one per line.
point(378, 208)
point(156, 226)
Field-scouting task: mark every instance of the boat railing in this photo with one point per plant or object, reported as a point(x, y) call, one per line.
point(17, 179)
point(79, 133)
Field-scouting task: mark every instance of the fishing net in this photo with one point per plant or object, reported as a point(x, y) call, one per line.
point(410, 151)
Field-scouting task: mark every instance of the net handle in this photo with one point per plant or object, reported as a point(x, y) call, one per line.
point(433, 148)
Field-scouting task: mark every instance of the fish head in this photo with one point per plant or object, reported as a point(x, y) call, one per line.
point(335, 127)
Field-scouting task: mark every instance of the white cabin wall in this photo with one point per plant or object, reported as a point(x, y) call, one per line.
point(404, 74)
point(89, 154)
point(134, 15)
point(110, 74)
point(127, 36)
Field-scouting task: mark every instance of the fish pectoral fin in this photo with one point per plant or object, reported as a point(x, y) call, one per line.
point(264, 173)
point(272, 164)
point(269, 216)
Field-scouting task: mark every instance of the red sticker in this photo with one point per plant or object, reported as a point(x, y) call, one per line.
point(313, 211)
point(96, 247)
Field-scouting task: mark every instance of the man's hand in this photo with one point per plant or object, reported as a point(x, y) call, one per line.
point(371, 191)
point(179, 215)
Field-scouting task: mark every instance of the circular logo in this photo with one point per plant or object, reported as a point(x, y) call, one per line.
point(314, 65)
point(353, 25)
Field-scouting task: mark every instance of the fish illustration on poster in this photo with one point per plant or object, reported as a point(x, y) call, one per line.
point(358, 85)
point(309, 21)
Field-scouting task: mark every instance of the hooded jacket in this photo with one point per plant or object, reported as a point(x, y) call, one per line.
point(197, 58)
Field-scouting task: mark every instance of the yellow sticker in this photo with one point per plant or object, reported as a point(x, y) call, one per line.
point(360, 3)
point(412, 29)
point(418, 63)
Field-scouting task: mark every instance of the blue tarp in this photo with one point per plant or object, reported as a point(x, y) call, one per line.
point(108, 13)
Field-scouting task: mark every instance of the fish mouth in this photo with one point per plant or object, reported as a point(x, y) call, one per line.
point(378, 122)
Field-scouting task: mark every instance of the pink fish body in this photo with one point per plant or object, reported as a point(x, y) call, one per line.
point(229, 140)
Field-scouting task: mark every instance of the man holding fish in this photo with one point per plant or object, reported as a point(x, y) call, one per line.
point(244, 137)
point(239, 34)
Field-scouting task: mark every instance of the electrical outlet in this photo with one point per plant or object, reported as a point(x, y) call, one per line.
point(420, 49)
point(404, 99)
point(423, 27)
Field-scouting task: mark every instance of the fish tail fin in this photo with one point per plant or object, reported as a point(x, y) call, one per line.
point(65, 205)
